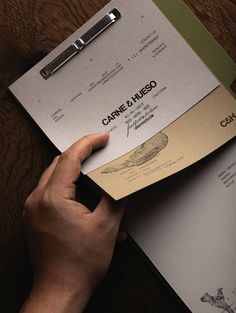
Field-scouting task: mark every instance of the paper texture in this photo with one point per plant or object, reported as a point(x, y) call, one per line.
point(147, 78)
point(186, 227)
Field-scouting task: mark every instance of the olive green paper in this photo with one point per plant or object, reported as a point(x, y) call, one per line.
point(200, 40)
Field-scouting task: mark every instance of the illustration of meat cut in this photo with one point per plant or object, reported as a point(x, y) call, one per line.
point(144, 153)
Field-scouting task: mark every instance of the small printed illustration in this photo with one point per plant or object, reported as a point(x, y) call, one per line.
point(142, 154)
point(218, 301)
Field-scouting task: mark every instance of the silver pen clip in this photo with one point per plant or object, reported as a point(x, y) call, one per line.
point(80, 43)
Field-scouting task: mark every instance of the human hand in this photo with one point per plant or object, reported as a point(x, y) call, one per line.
point(71, 247)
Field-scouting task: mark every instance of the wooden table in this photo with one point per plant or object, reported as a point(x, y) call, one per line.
point(29, 29)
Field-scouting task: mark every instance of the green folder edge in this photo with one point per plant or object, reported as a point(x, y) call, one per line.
point(201, 41)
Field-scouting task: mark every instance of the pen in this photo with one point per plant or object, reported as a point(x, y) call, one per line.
point(80, 43)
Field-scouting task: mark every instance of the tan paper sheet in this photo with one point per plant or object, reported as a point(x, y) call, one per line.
point(203, 129)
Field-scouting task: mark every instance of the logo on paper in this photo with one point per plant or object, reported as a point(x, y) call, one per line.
point(228, 120)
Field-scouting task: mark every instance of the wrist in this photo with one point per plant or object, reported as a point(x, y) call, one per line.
point(54, 295)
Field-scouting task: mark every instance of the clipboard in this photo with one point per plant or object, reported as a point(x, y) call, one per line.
point(185, 141)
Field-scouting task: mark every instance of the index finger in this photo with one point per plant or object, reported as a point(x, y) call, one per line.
point(68, 167)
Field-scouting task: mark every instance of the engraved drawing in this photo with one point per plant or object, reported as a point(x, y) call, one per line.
point(217, 301)
point(142, 154)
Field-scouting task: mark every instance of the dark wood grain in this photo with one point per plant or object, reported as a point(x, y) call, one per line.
point(219, 17)
point(29, 29)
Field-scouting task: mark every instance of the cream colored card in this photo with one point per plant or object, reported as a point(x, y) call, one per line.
point(133, 80)
point(200, 131)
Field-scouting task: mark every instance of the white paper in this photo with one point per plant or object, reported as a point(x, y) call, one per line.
point(187, 229)
point(133, 80)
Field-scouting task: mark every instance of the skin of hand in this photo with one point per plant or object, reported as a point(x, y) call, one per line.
point(71, 247)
